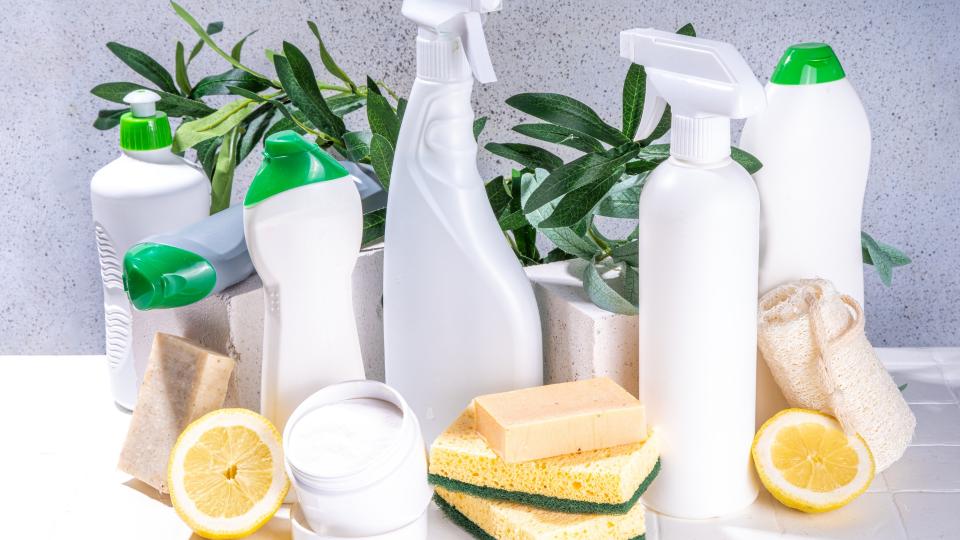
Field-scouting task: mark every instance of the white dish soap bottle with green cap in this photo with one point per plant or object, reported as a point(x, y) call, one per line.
point(146, 191)
point(814, 142)
point(460, 318)
point(699, 243)
point(304, 223)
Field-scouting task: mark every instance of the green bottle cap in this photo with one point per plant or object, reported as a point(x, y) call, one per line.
point(808, 63)
point(162, 276)
point(290, 161)
point(144, 127)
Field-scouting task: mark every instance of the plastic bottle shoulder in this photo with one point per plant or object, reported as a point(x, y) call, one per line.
point(130, 177)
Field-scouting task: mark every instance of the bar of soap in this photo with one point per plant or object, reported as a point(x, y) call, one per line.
point(183, 382)
point(557, 419)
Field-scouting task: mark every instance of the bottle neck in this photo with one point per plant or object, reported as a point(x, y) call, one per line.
point(441, 58)
point(700, 140)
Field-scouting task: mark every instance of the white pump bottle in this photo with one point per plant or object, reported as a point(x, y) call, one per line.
point(460, 318)
point(303, 224)
point(148, 190)
point(699, 243)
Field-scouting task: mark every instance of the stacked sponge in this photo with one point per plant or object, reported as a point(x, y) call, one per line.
point(591, 493)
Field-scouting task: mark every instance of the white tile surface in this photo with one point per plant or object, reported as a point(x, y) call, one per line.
point(872, 516)
point(758, 519)
point(930, 516)
point(937, 423)
point(925, 468)
point(925, 383)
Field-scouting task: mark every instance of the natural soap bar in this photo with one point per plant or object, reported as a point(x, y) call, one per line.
point(183, 382)
point(557, 419)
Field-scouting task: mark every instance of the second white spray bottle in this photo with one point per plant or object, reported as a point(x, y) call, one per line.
point(460, 318)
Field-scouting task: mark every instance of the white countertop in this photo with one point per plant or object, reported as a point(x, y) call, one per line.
point(62, 435)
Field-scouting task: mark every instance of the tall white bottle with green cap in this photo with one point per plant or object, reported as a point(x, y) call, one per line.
point(303, 223)
point(699, 242)
point(814, 142)
point(460, 318)
point(148, 190)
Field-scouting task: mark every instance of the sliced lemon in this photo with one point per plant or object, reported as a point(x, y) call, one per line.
point(808, 463)
point(226, 474)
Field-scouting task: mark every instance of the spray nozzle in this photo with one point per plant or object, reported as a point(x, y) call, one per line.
point(460, 18)
point(143, 102)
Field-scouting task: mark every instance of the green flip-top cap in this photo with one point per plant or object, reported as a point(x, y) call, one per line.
point(290, 161)
point(808, 63)
point(144, 127)
point(162, 276)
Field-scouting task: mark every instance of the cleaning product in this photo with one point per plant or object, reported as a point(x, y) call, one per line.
point(698, 244)
point(490, 519)
point(814, 142)
point(460, 318)
point(303, 225)
point(604, 481)
point(146, 191)
point(183, 267)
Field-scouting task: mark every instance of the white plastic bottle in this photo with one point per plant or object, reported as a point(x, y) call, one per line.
point(147, 190)
point(814, 142)
point(460, 318)
point(699, 234)
point(303, 226)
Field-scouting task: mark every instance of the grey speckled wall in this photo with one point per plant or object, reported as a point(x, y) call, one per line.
point(901, 55)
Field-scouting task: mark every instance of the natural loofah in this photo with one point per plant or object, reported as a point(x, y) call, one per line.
point(813, 340)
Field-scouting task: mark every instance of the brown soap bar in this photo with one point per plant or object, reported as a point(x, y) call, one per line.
point(557, 419)
point(183, 382)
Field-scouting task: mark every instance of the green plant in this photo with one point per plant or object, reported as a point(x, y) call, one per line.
point(562, 200)
point(292, 99)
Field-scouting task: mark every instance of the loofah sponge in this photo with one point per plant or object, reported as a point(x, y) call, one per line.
point(813, 340)
point(489, 520)
point(607, 481)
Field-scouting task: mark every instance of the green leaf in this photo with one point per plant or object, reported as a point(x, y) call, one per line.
point(641, 166)
point(300, 83)
point(357, 144)
point(586, 170)
point(569, 113)
point(374, 225)
point(381, 157)
point(557, 254)
point(283, 124)
point(172, 104)
point(108, 118)
point(655, 152)
point(222, 181)
point(478, 126)
point(207, 154)
point(634, 92)
point(525, 238)
point(628, 252)
point(345, 103)
point(883, 257)
point(254, 129)
point(402, 108)
point(747, 160)
point(219, 123)
point(560, 135)
point(383, 121)
point(218, 85)
point(149, 68)
point(687, 30)
point(212, 28)
point(205, 37)
point(623, 200)
point(902, 387)
point(663, 126)
point(603, 295)
point(328, 61)
point(529, 156)
point(372, 87)
point(237, 49)
point(564, 238)
point(577, 204)
point(182, 79)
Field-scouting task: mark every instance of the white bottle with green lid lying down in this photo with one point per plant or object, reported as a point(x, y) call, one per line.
point(303, 222)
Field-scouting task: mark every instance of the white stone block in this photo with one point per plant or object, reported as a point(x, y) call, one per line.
point(580, 340)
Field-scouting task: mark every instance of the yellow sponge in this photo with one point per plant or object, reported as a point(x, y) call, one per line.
point(608, 481)
point(504, 520)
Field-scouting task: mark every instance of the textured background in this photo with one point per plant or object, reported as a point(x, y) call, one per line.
point(900, 55)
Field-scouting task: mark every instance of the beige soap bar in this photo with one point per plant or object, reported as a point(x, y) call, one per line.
point(183, 382)
point(557, 419)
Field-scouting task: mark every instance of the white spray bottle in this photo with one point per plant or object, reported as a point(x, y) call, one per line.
point(303, 224)
point(146, 191)
point(699, 243)
point(460, 318)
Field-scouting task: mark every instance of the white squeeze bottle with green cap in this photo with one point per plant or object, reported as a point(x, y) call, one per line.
point(460, 318)
point(303, 224)
point(148, 190)
point(698, 246)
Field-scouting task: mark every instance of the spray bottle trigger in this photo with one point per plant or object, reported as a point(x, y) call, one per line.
point(475, 48)
point(653, 107)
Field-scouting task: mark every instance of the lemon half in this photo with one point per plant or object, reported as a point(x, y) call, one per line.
point(226, 474)
point(808, 463)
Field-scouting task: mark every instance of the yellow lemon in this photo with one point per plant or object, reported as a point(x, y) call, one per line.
point(226, 474)
point(808, 463)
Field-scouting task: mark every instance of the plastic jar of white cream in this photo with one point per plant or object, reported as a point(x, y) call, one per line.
point(356, 458)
